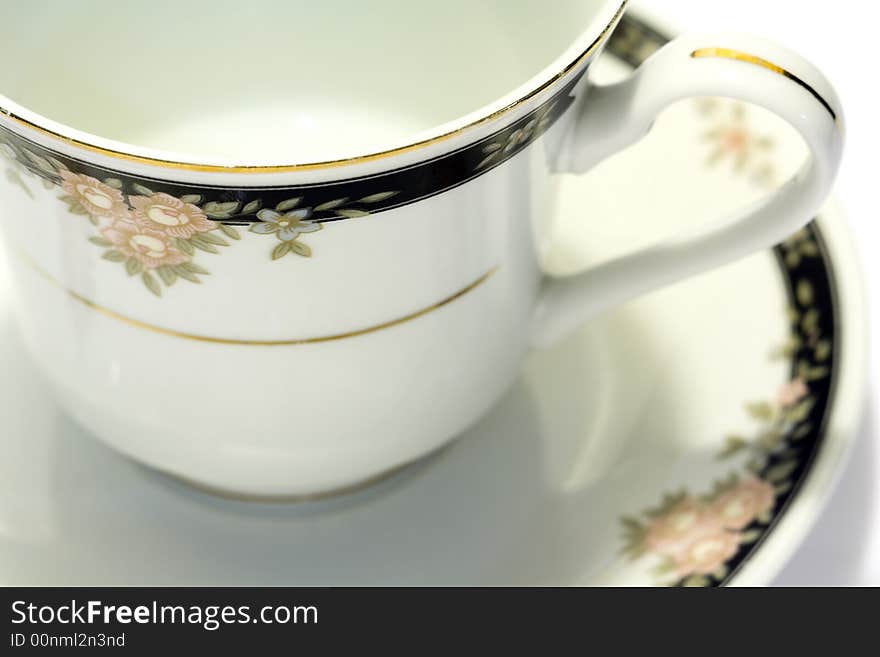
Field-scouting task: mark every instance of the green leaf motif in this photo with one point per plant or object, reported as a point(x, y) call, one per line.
point(755, 466)
point(77, 209)
point(151, 283)
point(352, 214)
point(185, 274)
point(747, 538)
point(804, 293)
point(809, 249)
point(810, 321)
point(58, 164)
point(253, 207)
point(281, 250)
point(788, 350)
point(221, 210)
point(301, 249)
point(802, 431)
point(722, 486)
point(815, 373)
point(133, 266)
point(781, 489)
point(733, 446)
point(229, 231)
point(633, 537)
point(721, 573)
point(41, 163)
point(115, 183)
point(670, 500)
point(143, 191)
point(114, 256)
point(631, 523)
point(185, 246)
point(696, 582)
point(823, 350)
point(378, 198)
point(212, 239)
point(289, 204)
point(195, 199)
point(167, 275)
point(760, 411)
point(202, 245)
point(800, 412)
point(770, 440)
point(487, 161)
point(331, 205)
point(780, 473)
point(194, 268)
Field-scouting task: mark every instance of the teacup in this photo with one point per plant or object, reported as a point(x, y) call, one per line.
point(282, 248)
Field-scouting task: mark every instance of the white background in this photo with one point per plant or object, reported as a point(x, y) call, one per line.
point(840, 38)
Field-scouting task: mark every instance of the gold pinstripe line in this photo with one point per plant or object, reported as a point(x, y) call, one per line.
point(112, 314)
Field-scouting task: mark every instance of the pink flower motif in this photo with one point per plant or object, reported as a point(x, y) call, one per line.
point(170, 215)
point(151, 247)
point(733, 137)
point(792, 392)
point(707, 553)
point(672, 533)
point(98, 199)
point(739, 507)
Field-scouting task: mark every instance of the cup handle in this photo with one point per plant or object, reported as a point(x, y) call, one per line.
point(616, 116)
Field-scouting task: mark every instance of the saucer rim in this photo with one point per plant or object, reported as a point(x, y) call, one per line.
point(847, 408)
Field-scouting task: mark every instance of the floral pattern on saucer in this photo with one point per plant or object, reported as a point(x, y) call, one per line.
point(698, 538)
point(695, 538)
point(733, 139)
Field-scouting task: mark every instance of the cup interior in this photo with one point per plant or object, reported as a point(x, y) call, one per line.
point(276, 80)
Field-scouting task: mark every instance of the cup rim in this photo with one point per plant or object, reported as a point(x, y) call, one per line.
point(606, 19)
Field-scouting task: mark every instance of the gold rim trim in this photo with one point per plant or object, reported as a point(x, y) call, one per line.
point(727, 53)
point(262, 343)
point(190, 166)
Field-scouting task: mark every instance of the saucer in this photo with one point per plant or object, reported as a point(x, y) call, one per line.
point(723, 411)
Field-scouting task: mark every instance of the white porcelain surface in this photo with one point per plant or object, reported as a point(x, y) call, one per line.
point(600, 427)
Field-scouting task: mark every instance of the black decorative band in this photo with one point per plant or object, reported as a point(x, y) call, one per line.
point(328, 202)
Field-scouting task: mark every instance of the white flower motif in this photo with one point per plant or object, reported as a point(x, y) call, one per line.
point(287, 226)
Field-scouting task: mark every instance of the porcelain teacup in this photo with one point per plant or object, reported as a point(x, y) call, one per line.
point(282, 248)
